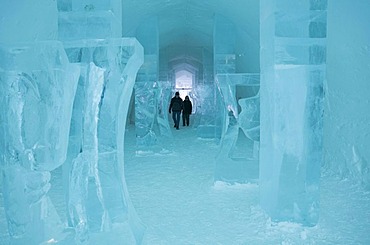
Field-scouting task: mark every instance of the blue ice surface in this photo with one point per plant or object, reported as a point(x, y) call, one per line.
point(289, 167)
point(96, 148)
point(293, 68)
point(38, 85)
point(237, 161)
point(51, 90)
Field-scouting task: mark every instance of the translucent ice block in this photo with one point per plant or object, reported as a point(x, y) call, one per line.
point(85, 25)
point(206, 110)
point(109, 209)
point(151, 114)
point(146, 100)
point(96, 5)
point(37, 88)
point(293, 56)
point(85, 163)
point(25, 21)
point(163, 100)
point(237, 161)
point(145, 114)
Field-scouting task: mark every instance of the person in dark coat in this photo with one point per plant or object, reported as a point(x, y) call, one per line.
point(176, 106)
point(188, 107)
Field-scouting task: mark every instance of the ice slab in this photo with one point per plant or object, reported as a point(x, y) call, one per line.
point(238, 157)
point(115, 6)
point(164, 89)
point(293, 56)
point(204, 95)
point(78, 25)
point(96, 5)
point(146, 100)
point(145, 114)
point(151, 115)
point(25, 21)
point(37, 88)
point(97, 169)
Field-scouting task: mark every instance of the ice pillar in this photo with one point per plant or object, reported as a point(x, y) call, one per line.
point(99, 203)
point(146, 88)
point(37, 87)
point(293, 57)
point(98, 200)
point(123, 61)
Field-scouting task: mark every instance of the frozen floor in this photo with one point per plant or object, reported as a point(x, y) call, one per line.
point(175, 197)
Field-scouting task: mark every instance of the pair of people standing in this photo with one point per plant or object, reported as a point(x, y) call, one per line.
point(176, 106)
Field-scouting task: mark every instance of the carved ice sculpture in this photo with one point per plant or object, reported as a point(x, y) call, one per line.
point(249, 117)
point(99, 204)
point(145, 114)
point(164, 89)
point(232, 167)
point(151, 117)
point(37, 87)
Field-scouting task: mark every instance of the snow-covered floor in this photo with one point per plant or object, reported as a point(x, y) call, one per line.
point(176, 199)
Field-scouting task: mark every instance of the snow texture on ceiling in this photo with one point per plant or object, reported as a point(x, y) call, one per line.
point(189, 23)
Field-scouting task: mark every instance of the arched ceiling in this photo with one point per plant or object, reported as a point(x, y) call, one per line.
point(190, 23)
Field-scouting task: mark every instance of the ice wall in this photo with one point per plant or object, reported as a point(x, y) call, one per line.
point(37, 87)
point(293, 57)
point(224, 35)
point(347, 116)
point(26, 21)
point(99, 207)
point(84, 19)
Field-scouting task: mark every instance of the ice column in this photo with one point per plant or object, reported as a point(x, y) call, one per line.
point(123, 58)
point(293, 57)
point(98, 202)
point(82, 164)
point(163, 93)
point(146, 88)
point(37, 87)
point(238, 161)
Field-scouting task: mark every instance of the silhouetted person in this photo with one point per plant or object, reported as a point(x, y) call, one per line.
point(176, 107)
point(186, 111)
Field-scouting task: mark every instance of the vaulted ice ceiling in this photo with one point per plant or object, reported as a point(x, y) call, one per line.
point(186, 24)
